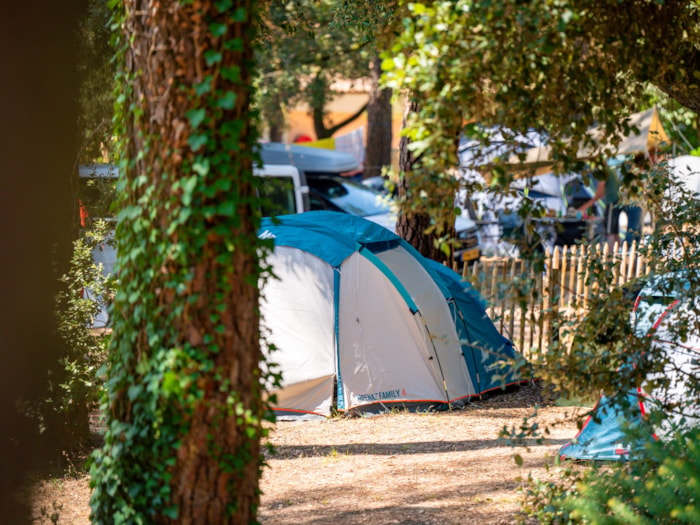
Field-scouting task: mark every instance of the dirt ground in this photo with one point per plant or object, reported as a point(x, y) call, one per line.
point(446, 468)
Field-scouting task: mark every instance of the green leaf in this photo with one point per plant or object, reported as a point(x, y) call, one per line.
point(235, 44)
point(518, 460)
point(197, 141)
point(217, 29)
point(223, 5)
point(227, 208)
point(134, 391)
point(203, 87)
point(388, 64)
point(241, 15)
point(201, 167)
point(232, 73)
point(196, 117)
point(212, 57)
point(227, 101)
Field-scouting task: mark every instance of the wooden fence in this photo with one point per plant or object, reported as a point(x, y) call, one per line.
point(524, 298)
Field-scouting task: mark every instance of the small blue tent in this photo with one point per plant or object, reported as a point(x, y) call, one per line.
point(362, 322)
point(617, 428)
point(610, 432)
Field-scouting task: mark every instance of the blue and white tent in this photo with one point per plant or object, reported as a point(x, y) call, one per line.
point(614, 432)
point(361, 322)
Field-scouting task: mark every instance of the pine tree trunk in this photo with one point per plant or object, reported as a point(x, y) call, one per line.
point(379, 120)
point(196, 436)
point(412, 225)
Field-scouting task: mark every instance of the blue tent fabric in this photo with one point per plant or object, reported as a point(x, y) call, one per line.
point(333, 236)
point(610, 433)
point(484, 348)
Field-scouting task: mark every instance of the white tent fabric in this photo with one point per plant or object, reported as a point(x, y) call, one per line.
point(387, 352)
point(435, 310)
point(301, 298)
point(680, 368)
point(686, 171)
point(384, 351)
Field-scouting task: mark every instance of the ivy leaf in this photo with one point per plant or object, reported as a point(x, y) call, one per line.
point(196, 117)
point(223, 5)
point(197, 141)
point(134, 391)
point(232, 73)
point(201, 167)
point(227, 101)
point(241, 15)
point(203, 87)
point(235, 44)
point(212, 57)
point(188, 186)
point(217, 29)
point(227, 209)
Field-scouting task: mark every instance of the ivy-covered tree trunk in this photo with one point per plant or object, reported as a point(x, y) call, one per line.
point(414, 225)
point(184, 409)
point(379, 120)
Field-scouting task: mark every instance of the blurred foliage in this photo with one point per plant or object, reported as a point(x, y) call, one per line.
point(76, 387)
point(659, 487)
point(608, 353)
point(552, 68)
point(556, 70)
point(305, 46)
point(96, 68)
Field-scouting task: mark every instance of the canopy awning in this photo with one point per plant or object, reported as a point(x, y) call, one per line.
point(650, 134)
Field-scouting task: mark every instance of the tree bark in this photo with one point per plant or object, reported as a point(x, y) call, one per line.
point(379, 125)
point(216, 459)
point(412, 225)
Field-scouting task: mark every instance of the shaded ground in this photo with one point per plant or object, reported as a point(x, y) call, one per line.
point(445, 468)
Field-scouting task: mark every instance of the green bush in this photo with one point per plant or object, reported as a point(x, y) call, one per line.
point(662, 487)
point(75, 387)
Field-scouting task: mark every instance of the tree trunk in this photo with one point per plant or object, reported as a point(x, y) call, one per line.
point(412, 225)
point(379, 121)
point(275, 132)
point(185, 413)
point(318, 95)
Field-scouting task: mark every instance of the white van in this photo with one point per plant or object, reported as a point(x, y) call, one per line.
point(283, 189)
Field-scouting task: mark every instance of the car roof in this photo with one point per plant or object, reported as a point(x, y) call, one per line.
point(308, 159)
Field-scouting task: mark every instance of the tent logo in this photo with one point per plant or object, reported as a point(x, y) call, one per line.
point(381, 396)
point(267, 234)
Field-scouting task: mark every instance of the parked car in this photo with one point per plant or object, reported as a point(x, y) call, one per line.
point(381, 184)
point(339, 194)
point(329, 190)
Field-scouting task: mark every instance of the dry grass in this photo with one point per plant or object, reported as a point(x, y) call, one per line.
point(401, 468)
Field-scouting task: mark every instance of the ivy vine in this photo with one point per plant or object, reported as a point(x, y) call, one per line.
point(178, 390)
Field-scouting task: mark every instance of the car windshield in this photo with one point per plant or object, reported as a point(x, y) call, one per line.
point(350, 197)
point(277, 196)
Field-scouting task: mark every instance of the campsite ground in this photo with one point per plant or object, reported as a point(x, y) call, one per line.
point(445, 468)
